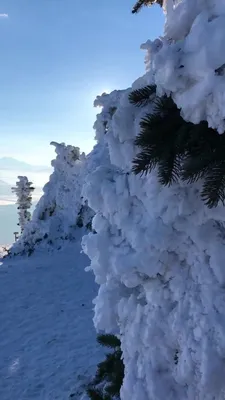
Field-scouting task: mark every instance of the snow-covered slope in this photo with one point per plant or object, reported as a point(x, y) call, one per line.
point(47, 339)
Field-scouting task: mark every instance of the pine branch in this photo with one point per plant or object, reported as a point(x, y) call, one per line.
point(96, 394)
point(168, 170)
point(140, 3)
point(108, 379)
point(147, 124)
point(214, 186)
point(108, 340)
point(194, 169)
point(113, 390)
point(143, 164)
point(141, 97)
point(201, 146)
point(180, 149)
point(159, 144)
point(165, 105)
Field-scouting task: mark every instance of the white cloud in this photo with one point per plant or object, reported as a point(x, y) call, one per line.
point(4, 15)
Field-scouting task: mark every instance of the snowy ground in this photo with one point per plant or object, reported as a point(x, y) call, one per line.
point(47, 339)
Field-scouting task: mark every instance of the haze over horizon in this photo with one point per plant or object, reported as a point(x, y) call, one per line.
point(11, 168)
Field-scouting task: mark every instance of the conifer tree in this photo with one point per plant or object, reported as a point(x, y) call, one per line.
point(110, 373)
point(23, 191)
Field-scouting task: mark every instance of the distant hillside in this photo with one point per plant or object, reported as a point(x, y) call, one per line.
point(5, 188)
point(3, 183)
point(11, 164)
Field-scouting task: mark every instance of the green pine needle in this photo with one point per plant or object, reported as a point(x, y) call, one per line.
point(180, 150)
point(108, 340)
point(168, 170)
point(213, 189)
point(141, 97)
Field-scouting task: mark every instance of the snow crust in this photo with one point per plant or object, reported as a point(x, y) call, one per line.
point(47, 339)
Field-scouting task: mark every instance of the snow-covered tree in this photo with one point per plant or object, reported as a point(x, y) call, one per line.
point(158, 250)
point(23, 191)
point(61, 210)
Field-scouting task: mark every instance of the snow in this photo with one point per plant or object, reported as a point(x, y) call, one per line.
point(158, 255)
point(189, 62)
point(47, 339)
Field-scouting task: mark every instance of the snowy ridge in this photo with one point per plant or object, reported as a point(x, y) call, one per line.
point(55, 217)
point(158, 257)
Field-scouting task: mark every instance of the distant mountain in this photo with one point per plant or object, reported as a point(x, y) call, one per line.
point(11, 164)
point(3, 183)
point(5, 188)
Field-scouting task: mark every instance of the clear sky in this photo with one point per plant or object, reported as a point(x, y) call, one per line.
point(56, 56)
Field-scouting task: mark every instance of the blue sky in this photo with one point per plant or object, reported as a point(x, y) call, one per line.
point(56, 56)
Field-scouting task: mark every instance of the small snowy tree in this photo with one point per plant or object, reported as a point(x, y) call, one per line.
point(23, 191)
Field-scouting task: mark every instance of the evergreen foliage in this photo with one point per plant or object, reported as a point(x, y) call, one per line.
point(141, 97)
point(140, 3)
point(109, 340)
point(97, 394)
point(179, 149)
point(110, 372)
